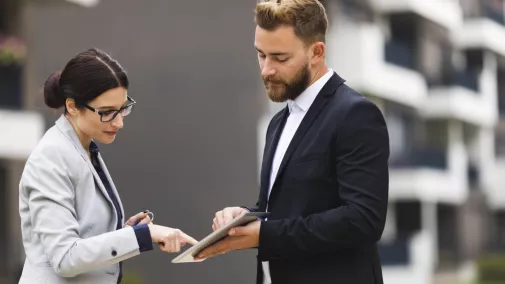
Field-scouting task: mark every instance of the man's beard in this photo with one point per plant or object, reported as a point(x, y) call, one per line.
point(283, 90)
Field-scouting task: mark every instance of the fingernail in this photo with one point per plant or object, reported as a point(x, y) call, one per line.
point(232, 232)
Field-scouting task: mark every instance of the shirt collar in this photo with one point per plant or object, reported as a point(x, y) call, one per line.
point(93, 147)
point(307, 97)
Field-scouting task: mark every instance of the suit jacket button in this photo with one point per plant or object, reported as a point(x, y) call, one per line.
point(114, 253)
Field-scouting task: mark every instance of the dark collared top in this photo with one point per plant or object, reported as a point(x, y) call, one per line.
point(141, 231)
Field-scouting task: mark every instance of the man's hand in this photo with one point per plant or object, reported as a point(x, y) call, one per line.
point(139, 219)
point(224, 216)
point(238, 238)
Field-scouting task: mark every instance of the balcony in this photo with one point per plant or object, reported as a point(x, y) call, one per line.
point(365, 68)
point(400, 53)
point(420, 255)
point(447, 14)
point(422, 157)
point(16, 144)
point(492, 13)
point(473, 175)
point(468, 79)
point(459, 97)
point(500, 77)
point(396, 252)
point(494, 189)
point(486, 33)
point(422, 173)
point(10, 87)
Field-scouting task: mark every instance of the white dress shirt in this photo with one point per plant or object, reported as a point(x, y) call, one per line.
point(297, 110)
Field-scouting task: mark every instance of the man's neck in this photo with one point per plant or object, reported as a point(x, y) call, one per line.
point(318, 73)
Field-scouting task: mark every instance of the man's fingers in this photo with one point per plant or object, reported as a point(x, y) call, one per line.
point(219, 219)
point(239, 231)
point(215, 225)
point(215, 249)
point(228, 215)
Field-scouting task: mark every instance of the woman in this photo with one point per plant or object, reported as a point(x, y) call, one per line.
point(71, 214)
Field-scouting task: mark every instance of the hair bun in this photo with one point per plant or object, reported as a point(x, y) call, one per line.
point(52, 96)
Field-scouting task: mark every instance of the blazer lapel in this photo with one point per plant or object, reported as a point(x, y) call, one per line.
point(69, 132)
point(106, 171)
point(317, 106)
point(268, 155)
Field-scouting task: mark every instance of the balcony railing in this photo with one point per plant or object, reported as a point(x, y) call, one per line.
point(400, 53)
point(396, 252)
point(466, 79)
point(473, 175)
point(422, 157)
point(10, 87)
point(493, 13)
point(499, 136)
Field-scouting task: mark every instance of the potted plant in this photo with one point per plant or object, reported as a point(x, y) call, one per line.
point(12, 50)
point(12, 57)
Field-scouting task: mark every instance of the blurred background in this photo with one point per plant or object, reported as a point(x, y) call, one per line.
point(436, 68)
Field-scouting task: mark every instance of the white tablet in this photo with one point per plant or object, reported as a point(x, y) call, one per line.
point(240, 220)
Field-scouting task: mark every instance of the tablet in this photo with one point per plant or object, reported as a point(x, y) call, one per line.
point(240, 220)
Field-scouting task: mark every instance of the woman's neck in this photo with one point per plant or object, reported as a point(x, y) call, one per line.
point(83, 138)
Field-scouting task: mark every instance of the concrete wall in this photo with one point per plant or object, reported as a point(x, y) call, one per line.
point(190, 146)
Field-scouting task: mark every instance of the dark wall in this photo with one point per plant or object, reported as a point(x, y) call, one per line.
point(190, 146)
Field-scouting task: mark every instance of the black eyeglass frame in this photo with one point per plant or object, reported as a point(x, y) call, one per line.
point(131, 103)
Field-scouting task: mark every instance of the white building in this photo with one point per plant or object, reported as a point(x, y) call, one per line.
point(437, 71)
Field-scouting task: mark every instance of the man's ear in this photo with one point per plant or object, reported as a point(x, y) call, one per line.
point(318, 51)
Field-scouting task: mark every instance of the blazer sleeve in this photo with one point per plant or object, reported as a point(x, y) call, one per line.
point(51, 200)
point(361, 163)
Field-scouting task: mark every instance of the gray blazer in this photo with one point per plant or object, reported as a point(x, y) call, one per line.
point(68, 223)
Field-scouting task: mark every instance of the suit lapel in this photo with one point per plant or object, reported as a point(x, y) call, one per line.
point(268, 155)
point(67, 129)
point(315, 109)
point(114, 190)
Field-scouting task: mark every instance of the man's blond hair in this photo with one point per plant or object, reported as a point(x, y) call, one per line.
point(307, 17)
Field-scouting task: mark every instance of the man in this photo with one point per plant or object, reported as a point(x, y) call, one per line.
point(324, 176)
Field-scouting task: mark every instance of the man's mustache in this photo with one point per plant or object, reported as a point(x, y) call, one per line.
point(273, 80)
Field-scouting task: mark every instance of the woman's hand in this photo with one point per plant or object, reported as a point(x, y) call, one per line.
point(139, 219)
point(169, 239)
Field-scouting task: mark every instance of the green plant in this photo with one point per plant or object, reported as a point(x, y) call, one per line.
point(132, 278)
point(491, 268)
point(12, 50)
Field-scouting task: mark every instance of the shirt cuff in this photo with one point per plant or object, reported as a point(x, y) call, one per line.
point(143, 235)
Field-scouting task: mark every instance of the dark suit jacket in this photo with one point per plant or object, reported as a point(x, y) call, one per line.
point(329, 201)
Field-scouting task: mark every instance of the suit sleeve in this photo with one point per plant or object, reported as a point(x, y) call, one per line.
point(361, 163)
point(51, 202)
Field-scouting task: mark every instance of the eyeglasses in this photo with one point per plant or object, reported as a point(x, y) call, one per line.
point(109, 115)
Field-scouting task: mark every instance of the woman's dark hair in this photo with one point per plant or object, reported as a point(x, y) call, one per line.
point(85, 77)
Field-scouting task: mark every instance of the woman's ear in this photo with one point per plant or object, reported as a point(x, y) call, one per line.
point(71, 107)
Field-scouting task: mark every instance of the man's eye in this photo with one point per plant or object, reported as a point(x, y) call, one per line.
point(282, 59)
